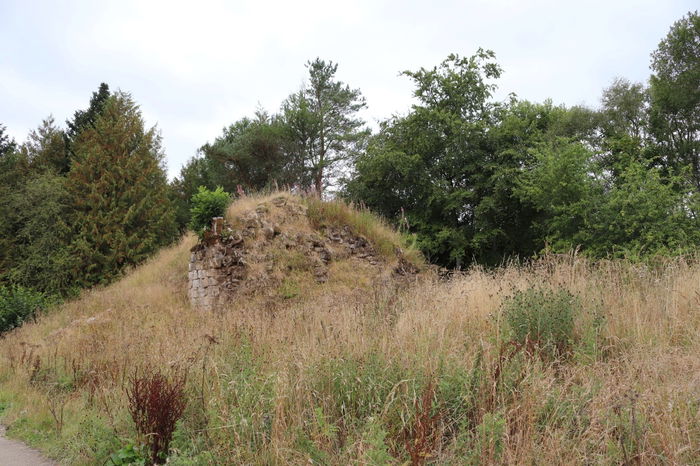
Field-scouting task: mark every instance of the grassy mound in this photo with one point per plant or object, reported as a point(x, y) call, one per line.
point(361, 371)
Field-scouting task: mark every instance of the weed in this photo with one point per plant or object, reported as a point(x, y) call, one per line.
point(156, 402)
point(421, 437)
point(542, 321)
point(324, 214)
point(377, 452)
point(128, 455)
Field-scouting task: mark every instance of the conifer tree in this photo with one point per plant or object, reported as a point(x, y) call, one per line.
point(45, 148)
point(118, 187)
point(322, 123)
point(7, 144)
point(83, 119)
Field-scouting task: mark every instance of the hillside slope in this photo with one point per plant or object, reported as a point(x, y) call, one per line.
point(367, 366)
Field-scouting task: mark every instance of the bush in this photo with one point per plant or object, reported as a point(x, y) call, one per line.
point(542, 321)
point(156, 403)
point(18, 304)
point(206, 205)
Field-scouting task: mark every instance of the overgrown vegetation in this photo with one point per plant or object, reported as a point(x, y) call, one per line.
point(206, 205)
point(18, 304)
point(552, 359)
point(542, 321)
point(323, 214)
point(558, 361)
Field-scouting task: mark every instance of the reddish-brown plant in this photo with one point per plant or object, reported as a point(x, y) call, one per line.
point(156, 402)
point(422, 436)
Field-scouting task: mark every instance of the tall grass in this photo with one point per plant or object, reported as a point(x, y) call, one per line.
point(373, 374)
point(323, 214)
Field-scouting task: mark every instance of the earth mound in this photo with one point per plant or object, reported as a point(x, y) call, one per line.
point(281, 244)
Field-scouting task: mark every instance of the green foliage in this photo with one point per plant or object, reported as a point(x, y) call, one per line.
point(129, 455)
point(84, 120)
point(321, 122)
point(354, 389)
point(489, 436)
point(250, 153)
point(118, 190)
point(338, 213)
point(436, 170)
point(7, 144)
point(637, 214)
point(377, 453)
point(41, 214)
point(624, 125)
point(206, 205)
point(558, 185)
point(567, 409)
point(675, 98)
point(18, 304)
point(289, 289)
point(542, 321)
point(45, 148)
point(628, 425)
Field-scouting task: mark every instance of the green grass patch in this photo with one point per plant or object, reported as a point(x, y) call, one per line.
point(383, 237)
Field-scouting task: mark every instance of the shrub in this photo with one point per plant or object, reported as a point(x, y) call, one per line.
point(206, 205)
point(156, 402)
point(542, 321)
point(18, 304)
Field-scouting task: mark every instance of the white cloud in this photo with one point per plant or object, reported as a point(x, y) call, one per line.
point(195, 67)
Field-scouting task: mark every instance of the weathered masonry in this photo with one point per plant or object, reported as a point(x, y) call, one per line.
point(216, 267)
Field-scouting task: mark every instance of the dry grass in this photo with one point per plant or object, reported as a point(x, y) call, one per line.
point(346, 372)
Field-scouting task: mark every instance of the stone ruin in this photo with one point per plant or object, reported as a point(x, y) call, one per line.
point(216, 267)
point(227, 262)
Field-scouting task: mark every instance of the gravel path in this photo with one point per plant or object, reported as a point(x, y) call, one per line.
point(14, 453)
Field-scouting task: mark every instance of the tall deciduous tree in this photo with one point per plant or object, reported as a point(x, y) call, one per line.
point(675, 96)
point(436, 164)
point(117, 186)
point(323, 124)
point(624, 125)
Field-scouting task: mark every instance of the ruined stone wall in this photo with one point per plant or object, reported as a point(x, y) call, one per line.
point(216, 268)
point(270, 242)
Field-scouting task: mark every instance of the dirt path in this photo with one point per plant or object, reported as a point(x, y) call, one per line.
point(14, 453)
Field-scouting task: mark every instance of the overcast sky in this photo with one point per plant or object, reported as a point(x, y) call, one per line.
point(197, 66)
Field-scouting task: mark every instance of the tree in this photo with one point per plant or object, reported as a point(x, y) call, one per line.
point(83, 119)
point(675, 97)
point(195, 173)
point(624, 125)
point(435, 167)
point(35, 212)
point(7, 144)
point(559, 185)
point(118, 188)
point(323, 125)
point(252, 153)
point(249, 153)
point(14, 168)
point(41, 215)
point(45, 148)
